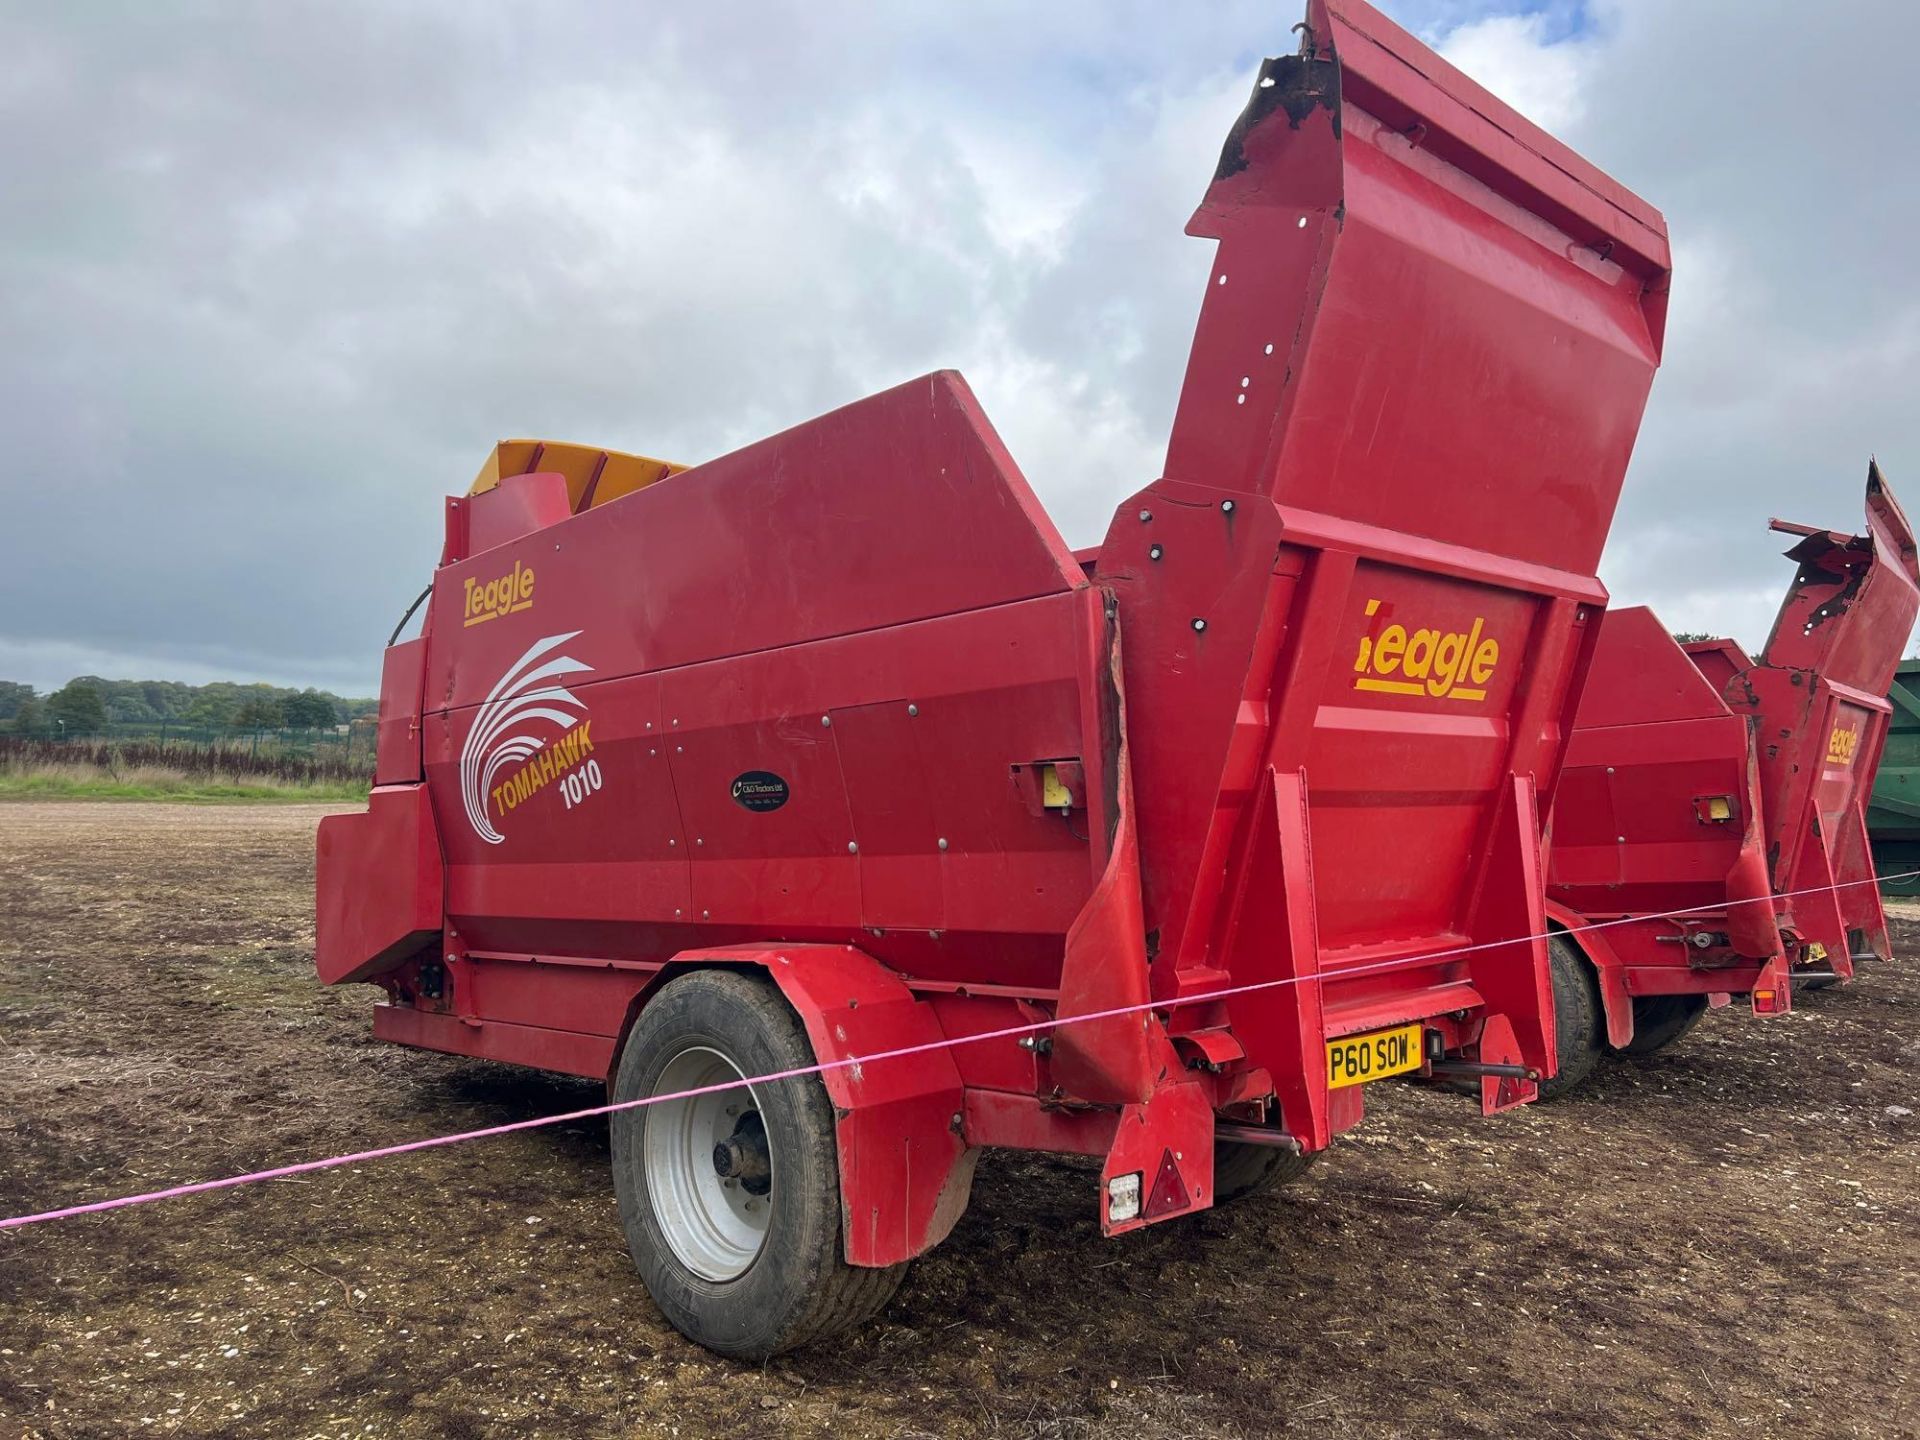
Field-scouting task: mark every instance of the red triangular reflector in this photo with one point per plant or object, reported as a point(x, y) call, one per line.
point(1169, 1190)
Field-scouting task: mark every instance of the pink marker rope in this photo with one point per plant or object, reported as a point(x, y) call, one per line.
point(332, 1162)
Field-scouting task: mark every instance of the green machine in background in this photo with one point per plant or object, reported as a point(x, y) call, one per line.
point(1893, 814)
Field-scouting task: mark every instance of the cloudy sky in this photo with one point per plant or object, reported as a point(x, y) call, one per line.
point(274, 277)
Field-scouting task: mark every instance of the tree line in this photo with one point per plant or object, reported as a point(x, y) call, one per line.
point(88, 705)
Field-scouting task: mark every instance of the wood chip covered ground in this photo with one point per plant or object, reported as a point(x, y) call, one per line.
point(1721, 1241)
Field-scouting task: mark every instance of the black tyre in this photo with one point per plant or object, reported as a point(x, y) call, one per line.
point(1577, 1017)
point(1661, 1020)
point(1240, 1170)
point(731, 1201)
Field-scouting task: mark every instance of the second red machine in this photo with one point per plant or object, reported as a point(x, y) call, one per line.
point(1709, 836)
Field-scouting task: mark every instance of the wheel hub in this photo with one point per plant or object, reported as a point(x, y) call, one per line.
point(743, 1156)
point(709, 1164)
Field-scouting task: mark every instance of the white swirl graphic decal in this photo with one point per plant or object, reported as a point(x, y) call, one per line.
point(526, 694)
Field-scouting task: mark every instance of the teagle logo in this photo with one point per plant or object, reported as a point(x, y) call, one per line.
point(508, 595)
point(1444, 664)
point(1841, 745)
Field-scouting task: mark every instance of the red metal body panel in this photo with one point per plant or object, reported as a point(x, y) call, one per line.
point(397, 744)
point(519, 505)
point(844, 706)
point(1786, 746)
point(378, 884)
point(1341, 479)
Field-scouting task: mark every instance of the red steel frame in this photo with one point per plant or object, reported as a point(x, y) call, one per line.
point(1704, 782)
point(844, 707)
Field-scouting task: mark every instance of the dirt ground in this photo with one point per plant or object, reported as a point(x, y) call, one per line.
point(1724, 1241)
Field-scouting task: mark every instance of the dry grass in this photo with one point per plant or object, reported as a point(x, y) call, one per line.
point(45, 771)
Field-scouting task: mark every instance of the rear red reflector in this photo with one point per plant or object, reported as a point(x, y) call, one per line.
point(1169, 1190)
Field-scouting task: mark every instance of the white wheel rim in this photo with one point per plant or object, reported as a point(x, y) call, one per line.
point(716, 1227)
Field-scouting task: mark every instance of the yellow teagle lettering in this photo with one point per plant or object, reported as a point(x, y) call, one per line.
point(1419, 661)
point(1425, 661)
point(1386, 655)
point(1484, 659)
point(503, 595)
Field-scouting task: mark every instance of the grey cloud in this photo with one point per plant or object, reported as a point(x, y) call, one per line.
point(1769, 135)
point(277, 277)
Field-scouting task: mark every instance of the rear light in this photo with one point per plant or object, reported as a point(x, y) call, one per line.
point(1767, 1002)
point(1713, 809)
point(1123, 1197)
point(1054, 794)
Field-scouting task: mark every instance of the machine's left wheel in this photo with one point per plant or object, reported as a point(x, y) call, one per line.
point(730, 1198)
point(1662, 1020)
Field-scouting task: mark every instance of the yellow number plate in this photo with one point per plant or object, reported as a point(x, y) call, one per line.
point(1356, 1059)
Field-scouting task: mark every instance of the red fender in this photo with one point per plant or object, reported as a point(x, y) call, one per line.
point(905, 1171)
point(1611, 970)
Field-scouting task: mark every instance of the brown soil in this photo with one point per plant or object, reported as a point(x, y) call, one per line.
point(1720, 1242)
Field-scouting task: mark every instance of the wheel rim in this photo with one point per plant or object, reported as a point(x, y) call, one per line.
point(715, 1224)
